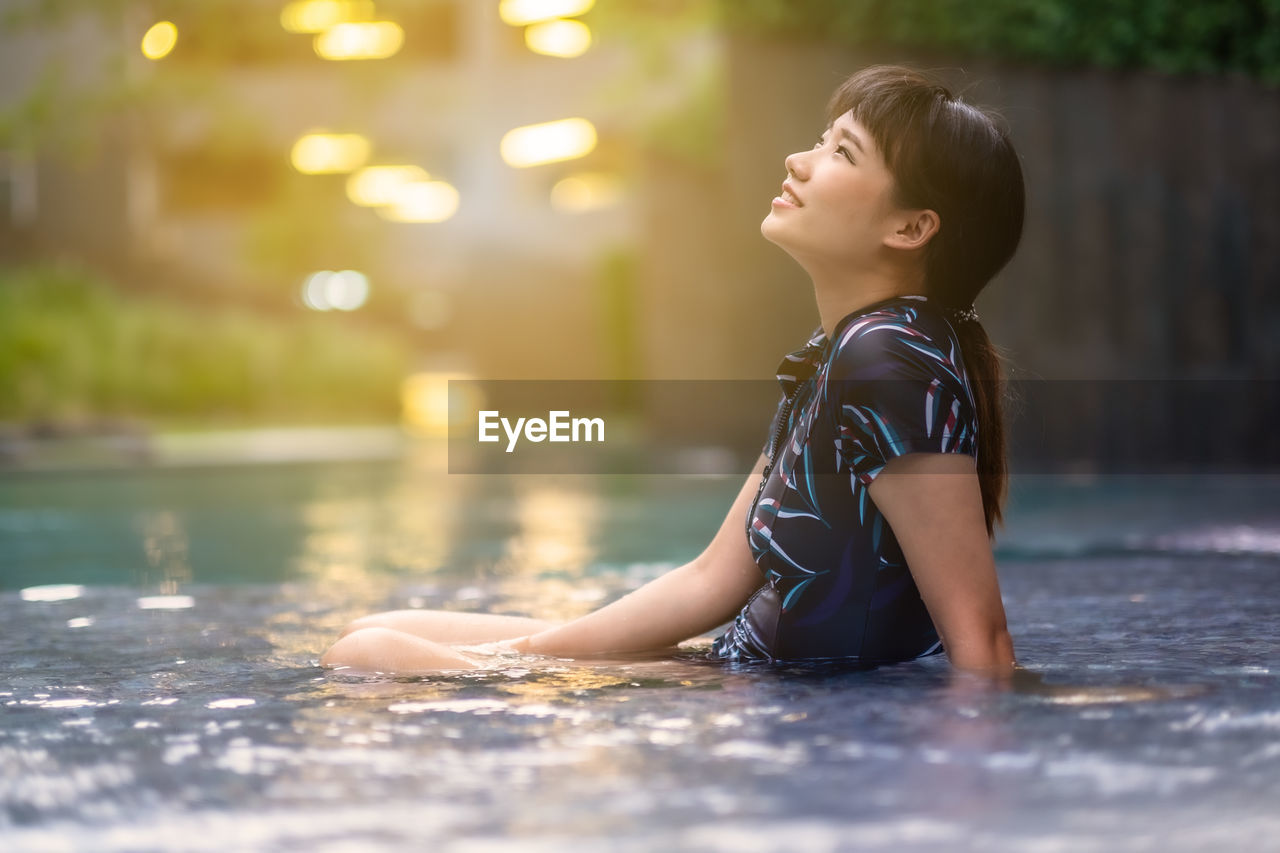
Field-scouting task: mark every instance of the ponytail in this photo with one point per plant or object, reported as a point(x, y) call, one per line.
point(985, 367)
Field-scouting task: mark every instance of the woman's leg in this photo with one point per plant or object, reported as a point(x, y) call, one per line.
point(386, 650)
point(443, 626)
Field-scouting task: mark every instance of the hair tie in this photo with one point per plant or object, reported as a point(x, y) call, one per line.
point(965, 315)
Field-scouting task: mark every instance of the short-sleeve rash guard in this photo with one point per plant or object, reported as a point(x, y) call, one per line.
point(889, 381)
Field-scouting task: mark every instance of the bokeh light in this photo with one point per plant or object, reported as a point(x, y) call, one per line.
point(549, 142)
point(53, 592)
point(377, 185)
point(373, 40)
point(344, 290)
point(565, 39)
point(316, 16)
point(519, 13)
point(422, 201)
point(424, 402)
point(586, 191)
point(329, 153)
point(159, 40)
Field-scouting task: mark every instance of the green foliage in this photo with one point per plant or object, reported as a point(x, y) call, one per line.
point(1173, 36)
point(89, 72)
point(667, 44)
point(72, 347)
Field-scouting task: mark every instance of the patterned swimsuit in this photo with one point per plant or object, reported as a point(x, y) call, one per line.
point(890, 381)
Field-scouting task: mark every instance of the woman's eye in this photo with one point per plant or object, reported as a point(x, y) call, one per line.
point(848, 155)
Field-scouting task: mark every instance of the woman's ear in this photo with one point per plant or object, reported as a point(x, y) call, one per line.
point(915, 228)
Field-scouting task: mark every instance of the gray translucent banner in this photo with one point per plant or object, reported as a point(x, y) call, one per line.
point(719, 427)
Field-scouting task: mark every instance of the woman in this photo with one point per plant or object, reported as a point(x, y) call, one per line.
point(871, 511)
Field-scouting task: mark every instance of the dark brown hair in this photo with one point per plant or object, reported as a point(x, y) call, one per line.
point(956, 160)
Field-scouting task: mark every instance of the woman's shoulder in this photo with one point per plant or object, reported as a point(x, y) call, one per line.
point(905, 331)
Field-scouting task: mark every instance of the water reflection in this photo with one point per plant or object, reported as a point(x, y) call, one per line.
point(565, 684)
point(166, 602)
point(554, 529)
point(422, 523)
point(53, 592)
point(165, 545)
point(336, 543)
point(135, 721)
point(543, 567)
point(1032, 684)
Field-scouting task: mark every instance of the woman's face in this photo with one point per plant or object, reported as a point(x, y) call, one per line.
point(836, 202)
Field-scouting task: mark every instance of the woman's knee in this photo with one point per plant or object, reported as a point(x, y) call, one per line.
point(381, 649)
point(352, 644)
point(417, 622)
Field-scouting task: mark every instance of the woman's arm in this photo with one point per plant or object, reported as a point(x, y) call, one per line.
point(933, 502)
point(683, 603)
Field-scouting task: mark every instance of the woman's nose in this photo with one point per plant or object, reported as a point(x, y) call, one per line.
point(795, 164)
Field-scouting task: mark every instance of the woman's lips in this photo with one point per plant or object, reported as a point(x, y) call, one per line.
point(788, 197)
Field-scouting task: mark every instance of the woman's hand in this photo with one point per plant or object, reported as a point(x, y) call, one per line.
point(933, 502)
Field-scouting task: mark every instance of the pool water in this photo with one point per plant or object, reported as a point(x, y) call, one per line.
point(161, 691)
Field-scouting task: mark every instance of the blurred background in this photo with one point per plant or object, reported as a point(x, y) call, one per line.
point(239, 231)
point(253, 213)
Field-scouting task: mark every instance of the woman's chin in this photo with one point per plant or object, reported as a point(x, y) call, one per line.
point(769, 228)
point(776, 233)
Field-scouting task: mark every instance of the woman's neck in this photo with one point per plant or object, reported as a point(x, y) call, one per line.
point(838, 306)
point(840, 296)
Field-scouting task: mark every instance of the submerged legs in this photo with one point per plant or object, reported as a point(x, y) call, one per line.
point(386, 650)
point(406, 641)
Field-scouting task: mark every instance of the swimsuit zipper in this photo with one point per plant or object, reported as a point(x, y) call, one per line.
point(773, 452)
point(777, 439)
point(779, 431)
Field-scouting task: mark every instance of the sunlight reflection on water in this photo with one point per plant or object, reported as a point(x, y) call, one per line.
point(209, 726)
